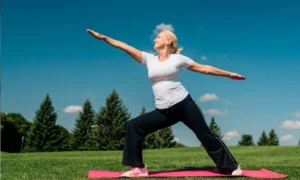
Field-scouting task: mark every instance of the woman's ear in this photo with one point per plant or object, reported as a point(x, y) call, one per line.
point(169, 41)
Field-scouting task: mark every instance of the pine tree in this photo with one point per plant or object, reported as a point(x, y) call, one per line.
point(111, 124)
point(92, 141)
point(215, 128)
point(263, 140)
point(273, 138)
point(143, 111)
point(152, 141)
point(42, 136)
point(166, 138)
point(246, 140)
point(63, 141)
point(83, 126)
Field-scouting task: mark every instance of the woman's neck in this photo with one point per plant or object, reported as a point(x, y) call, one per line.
point(164, 53)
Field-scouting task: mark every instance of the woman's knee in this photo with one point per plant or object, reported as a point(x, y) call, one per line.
point(131, 123)
point(135, 123)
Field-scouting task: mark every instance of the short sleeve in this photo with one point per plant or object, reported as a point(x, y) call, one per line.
point(146, 57)
point(185, 61)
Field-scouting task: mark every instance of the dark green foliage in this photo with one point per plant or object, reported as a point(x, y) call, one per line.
point(246, 140)
point(215, 127)
point(10, 136)
point(143, 111)
point(63, 139)
point(166, 138)
point(111, 122)
point(263, 140)
point(14, 128)
point(42, 136)
point(83, 127)
point(20, 122)
point(273, 138)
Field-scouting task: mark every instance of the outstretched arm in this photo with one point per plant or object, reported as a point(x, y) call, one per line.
point(133, 52)
point(210, 70)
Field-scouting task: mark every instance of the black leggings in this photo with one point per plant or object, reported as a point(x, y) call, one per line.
point(190, 114)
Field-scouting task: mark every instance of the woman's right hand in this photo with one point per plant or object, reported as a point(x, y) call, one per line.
point(96, 35)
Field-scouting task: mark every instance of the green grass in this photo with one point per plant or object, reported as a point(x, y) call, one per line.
point(75, 165)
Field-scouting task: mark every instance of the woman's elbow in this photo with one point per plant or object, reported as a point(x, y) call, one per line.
point(205, 69)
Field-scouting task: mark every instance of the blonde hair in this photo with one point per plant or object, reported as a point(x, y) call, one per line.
point(173, 37)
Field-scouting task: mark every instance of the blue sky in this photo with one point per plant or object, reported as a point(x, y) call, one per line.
point(46, 49)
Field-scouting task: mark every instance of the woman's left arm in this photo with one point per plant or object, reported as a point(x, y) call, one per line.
point(210, 70)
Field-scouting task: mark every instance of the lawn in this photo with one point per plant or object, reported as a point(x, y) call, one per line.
point(75, 165)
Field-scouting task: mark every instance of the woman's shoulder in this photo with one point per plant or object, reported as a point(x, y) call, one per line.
point(180, 56)
point(183, 60)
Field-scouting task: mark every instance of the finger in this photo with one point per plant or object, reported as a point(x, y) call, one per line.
point(90, 31)
point(94, 34)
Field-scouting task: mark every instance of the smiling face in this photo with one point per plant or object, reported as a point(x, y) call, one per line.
point(162, 41)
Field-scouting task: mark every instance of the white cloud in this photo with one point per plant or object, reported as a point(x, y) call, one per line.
point(286, 137)
point(176, 139)
point(209, 97)
point(290, 124)
point(297, 113)
point(204, 58)
point(72, 109)
point(230, 135)
point(215, 112)
point(163, 26)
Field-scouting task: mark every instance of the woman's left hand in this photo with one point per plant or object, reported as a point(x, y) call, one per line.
point(236, 76)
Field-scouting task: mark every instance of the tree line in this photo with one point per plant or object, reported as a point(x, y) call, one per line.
point(93, 131)
point(247, 139)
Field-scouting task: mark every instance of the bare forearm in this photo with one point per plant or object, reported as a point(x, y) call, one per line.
point(207, 69)
point(115, 43)
point(133, 52)
point(215, 71)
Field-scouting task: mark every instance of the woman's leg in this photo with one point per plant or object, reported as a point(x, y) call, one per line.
point(191, 115)
point(137, 129)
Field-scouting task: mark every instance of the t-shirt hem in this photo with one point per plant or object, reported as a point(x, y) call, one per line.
point(166, 106)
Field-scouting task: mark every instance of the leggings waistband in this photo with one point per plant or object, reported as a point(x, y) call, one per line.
point(171, 109)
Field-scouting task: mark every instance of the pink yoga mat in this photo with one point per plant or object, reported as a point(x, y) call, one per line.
point(263, 173)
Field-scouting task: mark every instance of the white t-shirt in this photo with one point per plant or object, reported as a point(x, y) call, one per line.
point(165, 77)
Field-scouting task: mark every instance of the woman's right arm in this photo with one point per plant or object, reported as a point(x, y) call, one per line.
point(133, 52)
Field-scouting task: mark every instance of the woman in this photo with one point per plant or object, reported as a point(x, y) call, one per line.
point(173, 103)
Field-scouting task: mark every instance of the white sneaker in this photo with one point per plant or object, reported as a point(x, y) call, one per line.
point(237, 172)
point(136, 172)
